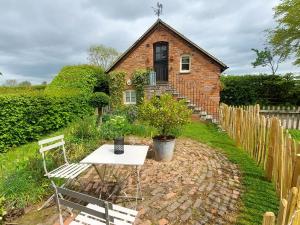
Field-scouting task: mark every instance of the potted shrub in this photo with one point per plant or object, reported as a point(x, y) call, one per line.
point(115, 129)
point(168, 116)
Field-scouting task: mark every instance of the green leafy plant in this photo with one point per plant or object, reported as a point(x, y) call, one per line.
point(166, 114)
point(140, 78)
point(99, 100)
point(116, 88)
point(116, 126)
point(26, 117)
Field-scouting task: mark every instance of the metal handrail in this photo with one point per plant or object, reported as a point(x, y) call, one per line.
point(191, 90)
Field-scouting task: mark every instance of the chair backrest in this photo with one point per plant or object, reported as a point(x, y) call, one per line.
point(51, 144)
point(102, 210)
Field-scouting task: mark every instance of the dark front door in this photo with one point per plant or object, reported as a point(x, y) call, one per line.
point(160, 59)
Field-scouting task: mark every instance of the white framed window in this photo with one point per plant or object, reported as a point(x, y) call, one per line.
point(185, 64)
point(130, 97)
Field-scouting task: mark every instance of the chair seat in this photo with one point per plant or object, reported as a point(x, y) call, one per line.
point(68, 171)
point(121, 215)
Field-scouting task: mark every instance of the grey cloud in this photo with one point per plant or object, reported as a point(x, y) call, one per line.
point(37, 38)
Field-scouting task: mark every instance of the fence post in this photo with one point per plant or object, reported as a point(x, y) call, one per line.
point(296, 171)
point(282, 212)
point(269, 219)
point(292, 201)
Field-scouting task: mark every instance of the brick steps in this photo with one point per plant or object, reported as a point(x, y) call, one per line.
point(203, 115)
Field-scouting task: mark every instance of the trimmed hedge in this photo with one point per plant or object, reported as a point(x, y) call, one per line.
point(26, 117)
point(78, 78)
point(261, 89)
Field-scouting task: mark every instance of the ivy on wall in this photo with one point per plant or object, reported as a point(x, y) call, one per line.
point(116, 88)
point(139, 80)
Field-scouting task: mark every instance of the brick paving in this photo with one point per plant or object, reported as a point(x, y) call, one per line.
point(199, 186)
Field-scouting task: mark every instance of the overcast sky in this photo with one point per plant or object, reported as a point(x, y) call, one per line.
point(37, 38)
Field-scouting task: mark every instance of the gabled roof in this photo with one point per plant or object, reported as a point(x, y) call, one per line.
point(150, 30)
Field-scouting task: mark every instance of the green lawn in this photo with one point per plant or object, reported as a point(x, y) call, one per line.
point(259, 195)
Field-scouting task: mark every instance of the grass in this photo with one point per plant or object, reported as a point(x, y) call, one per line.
point(295, 134)
point(259, 195)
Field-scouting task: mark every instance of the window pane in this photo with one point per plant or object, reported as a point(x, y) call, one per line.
point(157, 49)
point(133, 96)
point(127, 99)
point(185, 59)
point(127, 94)
point(185, 67)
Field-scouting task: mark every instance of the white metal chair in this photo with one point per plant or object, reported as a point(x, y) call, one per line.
point(92, 211)
point(68, 171)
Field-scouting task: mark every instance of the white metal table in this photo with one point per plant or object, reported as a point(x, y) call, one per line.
point(134, 155)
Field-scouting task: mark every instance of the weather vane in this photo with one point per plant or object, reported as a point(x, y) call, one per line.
point(158, 9)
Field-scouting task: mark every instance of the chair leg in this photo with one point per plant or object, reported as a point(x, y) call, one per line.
point(47, 202)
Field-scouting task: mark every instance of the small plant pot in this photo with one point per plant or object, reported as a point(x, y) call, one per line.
point(119, 145)
point(164, 147)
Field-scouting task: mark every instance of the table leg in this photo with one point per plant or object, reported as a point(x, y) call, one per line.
point(138, 185)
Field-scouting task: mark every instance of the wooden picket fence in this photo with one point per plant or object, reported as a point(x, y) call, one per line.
point(271, 146)
point(289, 116)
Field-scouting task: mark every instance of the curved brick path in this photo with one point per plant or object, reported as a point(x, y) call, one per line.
point(199, 186)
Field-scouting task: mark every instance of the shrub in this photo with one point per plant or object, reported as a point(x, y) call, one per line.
point(84, 130)
point(116, 126)
point(260, 89)
point(22, 90)
point(24, 118)
point(166, 114)
point(99, 100)
point(79, 79)
point(128, 111)
point(139, 80)
point(116, 88)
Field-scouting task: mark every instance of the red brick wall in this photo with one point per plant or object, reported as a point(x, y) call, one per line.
point(203, 71)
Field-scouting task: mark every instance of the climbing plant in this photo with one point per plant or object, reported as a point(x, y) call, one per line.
point(139, 80)
point(116, 88)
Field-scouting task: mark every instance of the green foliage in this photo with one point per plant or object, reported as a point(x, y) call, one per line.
point(259, 195)
point(76, 79)
point(166, 114)
point(128, 111)
point(25, 83)
point(26, 117)
point(84, 130)
point(295, 134)
point(116, 88)
point(139, 80)
point(22, 90)
point(260, 89)
point(268, 57)
point(286, 35)
point(18, 185)
point(2, 208)
point(99, 99)
point(116, 126)
point(102, 56)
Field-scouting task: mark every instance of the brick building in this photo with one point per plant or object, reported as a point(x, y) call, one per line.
point(180, 66)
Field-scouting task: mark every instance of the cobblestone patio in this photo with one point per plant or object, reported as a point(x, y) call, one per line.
point(199, 186)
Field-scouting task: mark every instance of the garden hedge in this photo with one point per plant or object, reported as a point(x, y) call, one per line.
point(261, 89)
point(26, 117)
point(79, 79)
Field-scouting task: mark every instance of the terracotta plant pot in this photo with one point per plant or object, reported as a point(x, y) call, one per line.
point(164, 147)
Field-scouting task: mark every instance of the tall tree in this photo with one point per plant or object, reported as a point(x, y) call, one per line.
point(268, 57)
point(101, 55)
point(286, 35)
